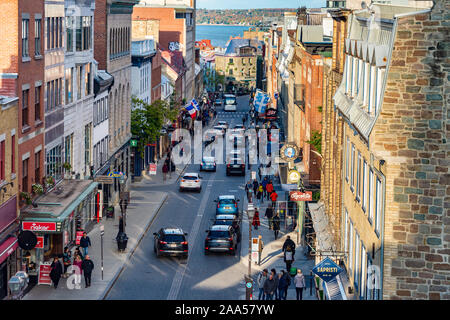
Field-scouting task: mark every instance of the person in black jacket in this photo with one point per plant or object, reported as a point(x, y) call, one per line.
point(87, 266)
point(56, 271)
point(269, 215)
point(289, 243)
point(276, 225)
point(85, 242)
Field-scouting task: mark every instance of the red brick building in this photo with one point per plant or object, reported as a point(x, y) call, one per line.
point(156, 76)
point(22, 75)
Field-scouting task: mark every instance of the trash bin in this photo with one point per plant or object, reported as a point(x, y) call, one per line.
point(122, 241)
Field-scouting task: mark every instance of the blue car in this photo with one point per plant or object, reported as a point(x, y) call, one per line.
point(227, 205)
point(208, 164)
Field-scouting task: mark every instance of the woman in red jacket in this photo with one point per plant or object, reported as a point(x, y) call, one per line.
point(255, 221)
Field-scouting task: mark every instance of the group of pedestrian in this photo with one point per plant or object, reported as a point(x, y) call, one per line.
point(274, 220)
point(82, 262)
point(275, 286)
point(261, 190)
point(168, 166)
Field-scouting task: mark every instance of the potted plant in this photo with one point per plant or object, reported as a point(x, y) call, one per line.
point(50, 182)
point(25, 196)
point(37, 188)
point(67, 168)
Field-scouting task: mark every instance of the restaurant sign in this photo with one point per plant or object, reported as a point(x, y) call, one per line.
point(327, 269)
point(300, 196)
point(39, 226)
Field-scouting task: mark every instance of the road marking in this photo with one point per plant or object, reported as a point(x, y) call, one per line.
point(179, 275)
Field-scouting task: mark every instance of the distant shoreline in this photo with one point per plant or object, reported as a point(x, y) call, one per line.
point(229, 25)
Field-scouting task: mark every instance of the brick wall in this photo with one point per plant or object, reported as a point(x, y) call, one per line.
point(100, 34)
point(412, 135)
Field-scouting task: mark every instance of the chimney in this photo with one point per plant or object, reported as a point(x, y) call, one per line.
point(302, 17)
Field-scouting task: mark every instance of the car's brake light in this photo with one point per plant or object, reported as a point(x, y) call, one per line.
point(231, 248)
point(182, 180)
point(230, 239)
point(235, 205)
point(218, 206)
point(197, 180)
point(162, 242)
point(184, 242)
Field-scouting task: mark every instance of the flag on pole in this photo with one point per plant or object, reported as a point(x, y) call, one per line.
point(192, 110)
point(195, 104)
point(261, 101)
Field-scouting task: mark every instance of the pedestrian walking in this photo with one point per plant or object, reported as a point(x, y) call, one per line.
point(262, 277)
point(260, 248)
point(264, 184)
point(299, 281)
point(165, 169)
point(276, 225)
point(283, 284)
point(255, 186)
point(270, 287)
point(77, 252)
point(256, 223)
point(77, 262)
point(87, 266)
point(67, 257)
point(85, 243)
point(56, 271)
point(259, 195)
point(269, 188)
point(269, 216)
point(274, 197)
point(243, 121)
point(288, 258)
point(289, 243)
point(273, 271)
point(248, 190)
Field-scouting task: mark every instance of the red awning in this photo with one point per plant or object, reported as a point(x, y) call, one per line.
point(8, 247)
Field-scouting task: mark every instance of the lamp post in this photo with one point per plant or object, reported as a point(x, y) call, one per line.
point(248, 278)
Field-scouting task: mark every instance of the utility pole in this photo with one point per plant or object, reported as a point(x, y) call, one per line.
point(248, 278)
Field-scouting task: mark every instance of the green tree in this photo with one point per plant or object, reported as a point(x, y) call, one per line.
point(316, 140)
point(147, 120)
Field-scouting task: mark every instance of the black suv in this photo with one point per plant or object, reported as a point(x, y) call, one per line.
point(235, 165)
point(221, 238)
point(170, 241)
point(229, 220)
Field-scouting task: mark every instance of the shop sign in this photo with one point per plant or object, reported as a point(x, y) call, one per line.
point(78, 237)
point(40, 242)
point(300, 196)
point(289, 152)
point(152, 169)
point(104, 179)
point(44, 273)
point(116, 174)
point(294, 176)
point(271, 113)
point(39, 226)
point(327, 269)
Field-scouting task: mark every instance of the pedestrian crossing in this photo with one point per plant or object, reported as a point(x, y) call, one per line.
point(231, 114)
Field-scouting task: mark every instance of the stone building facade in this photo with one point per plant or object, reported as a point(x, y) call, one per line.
point(395, 178)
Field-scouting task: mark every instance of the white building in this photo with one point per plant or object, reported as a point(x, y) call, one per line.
point(142, 52)
point(79, 89)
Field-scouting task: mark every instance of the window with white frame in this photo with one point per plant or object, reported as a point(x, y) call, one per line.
point(352, 169)
point(356, 270)
point(370, 208)
point(362, 291)
point(358, 178)
point(347, 159)
point(378, 198)
point(365, 172)
point(350, 248)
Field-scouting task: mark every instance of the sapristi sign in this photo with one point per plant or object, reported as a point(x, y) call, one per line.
point(327, 269)
point(39, 226)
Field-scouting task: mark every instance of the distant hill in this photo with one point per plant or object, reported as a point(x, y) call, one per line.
point(251, 17)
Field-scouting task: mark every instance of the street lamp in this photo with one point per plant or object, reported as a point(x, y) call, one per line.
point(248, 279)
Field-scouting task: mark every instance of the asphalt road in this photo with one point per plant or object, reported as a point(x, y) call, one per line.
point(216, 276)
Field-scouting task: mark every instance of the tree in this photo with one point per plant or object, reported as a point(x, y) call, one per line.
point(316, 141)
point(147, 120)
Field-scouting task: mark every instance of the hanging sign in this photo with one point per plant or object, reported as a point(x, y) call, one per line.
point(327, 269)
point(39, 226)
point(152, 169)
point(40, 242)
point(300, 196)
point(78, 237)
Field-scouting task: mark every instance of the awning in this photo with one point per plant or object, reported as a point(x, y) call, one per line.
point(324, 236)
point(8, 247)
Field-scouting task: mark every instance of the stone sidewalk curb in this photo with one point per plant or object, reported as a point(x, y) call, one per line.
point(131, 252)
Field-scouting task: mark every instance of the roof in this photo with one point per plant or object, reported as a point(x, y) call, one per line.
point(220, 228)
point(311, 34)
point(175, 60)
point(227, 197)
point(234, 44)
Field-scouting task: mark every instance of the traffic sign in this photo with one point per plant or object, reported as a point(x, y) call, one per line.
point(327, 269)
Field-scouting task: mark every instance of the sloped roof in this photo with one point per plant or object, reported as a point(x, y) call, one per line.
point(234, 44)
point(310, 34)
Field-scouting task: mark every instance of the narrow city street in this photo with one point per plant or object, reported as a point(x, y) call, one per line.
point(216, 276)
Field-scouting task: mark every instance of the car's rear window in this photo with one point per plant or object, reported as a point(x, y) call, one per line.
point(173, 238)
point(219, 234)
point(189, 178)
point(226, 201)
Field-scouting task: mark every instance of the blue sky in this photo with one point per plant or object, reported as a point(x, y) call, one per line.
point(252, 4)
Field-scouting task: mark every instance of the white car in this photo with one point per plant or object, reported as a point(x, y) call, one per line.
point(191, 180)
point(230, 107)
point(223, 124)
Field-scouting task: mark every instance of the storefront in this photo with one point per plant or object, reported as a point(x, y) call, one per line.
point(59, 214)
point(8, 243)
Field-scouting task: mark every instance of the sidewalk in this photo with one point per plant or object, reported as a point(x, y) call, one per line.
point(272, 255)
point(141, 212)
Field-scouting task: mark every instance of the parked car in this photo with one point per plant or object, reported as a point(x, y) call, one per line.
point(230, 102)
point(230, 107)
point(170, 241)
point(229, 220)
point(191, 181)
point(221, 238)
point(208, 164)
point(223, 124)
point(227, 204)
point(218, 102)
